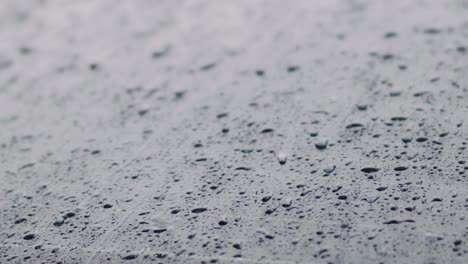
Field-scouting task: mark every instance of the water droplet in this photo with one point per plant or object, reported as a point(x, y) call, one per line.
point(313, 134)
point(130, 257)
point(401, 168)
point(342, 197)
point(370, 170)
point(199, 210)
point(407, 139)
point(293, 68)
point(361, 107)
point(59, 221)
point(372, 199)
point(431, 237)
point(29, 237)
point(267, 130)
point(390, 35)
point(354, 125)
point(282, 158)
point(221, 115)
point(20, 220)
point(321, 145)
point(260, 72)
point(399, 118)
point(329, 169)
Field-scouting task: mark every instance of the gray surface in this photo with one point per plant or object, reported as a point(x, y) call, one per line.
point(124, 103)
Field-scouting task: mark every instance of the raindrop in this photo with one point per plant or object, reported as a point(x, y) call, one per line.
point(267, 130)
point(354, 125)
point(321, 144)
point(282, 158)
point(329, 169)
point(372, 199)
point(198, 210)
point(407, 139)
point(222, 115)
point(29, 237)
point(361, 107)
point(20, 220)
point(401, 168)
point(370, 170)
point(130, 257)
point(293, 68)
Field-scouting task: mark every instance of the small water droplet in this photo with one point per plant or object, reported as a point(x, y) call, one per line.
point(282, 158)
point(370, 170)
point(329, 169)
point(29, 237)
point(198, 210)
point(372, 199)
point(321, 145)
point(407, 139)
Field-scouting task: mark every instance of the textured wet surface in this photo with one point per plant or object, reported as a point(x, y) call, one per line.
point(233, 131)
